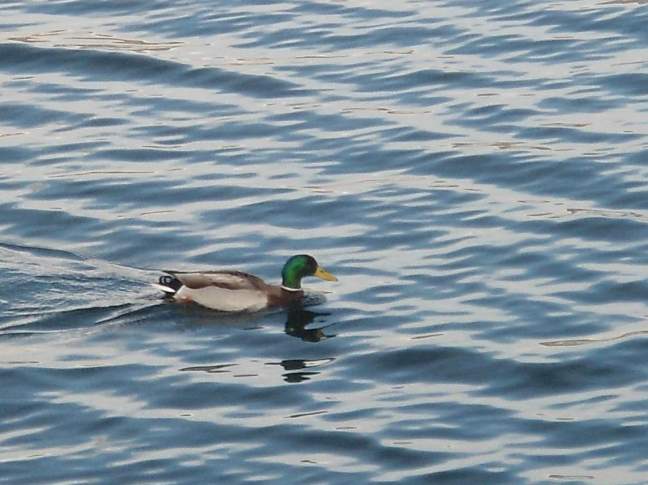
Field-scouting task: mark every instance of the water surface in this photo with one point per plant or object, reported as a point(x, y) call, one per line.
point(473, 172)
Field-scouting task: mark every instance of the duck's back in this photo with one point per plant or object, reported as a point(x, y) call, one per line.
point(230, 280)
point(229, 291)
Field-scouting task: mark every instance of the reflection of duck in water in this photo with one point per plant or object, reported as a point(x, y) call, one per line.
point(294, 369)
point(235, 291)
point(298, 318)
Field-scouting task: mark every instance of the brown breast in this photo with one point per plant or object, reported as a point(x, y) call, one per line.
point(280, 297)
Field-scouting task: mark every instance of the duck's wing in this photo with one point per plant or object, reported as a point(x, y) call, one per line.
point(229, 280)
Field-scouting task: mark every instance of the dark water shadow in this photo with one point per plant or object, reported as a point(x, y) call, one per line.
point(297, 318)
point(297, 323)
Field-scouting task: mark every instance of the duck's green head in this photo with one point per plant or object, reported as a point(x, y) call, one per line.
point(299, 267)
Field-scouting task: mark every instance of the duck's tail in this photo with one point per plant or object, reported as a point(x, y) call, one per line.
point(168, 284)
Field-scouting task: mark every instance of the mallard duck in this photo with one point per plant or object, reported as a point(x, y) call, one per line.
point(235, 291)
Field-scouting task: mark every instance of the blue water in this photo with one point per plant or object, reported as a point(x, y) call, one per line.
point(474, 173)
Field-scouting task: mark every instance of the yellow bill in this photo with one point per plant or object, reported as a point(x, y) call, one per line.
point(323, 274)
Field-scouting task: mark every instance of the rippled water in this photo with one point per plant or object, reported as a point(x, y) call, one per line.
point(473, 172)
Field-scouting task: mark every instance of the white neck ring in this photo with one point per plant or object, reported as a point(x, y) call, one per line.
point(290, 289)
